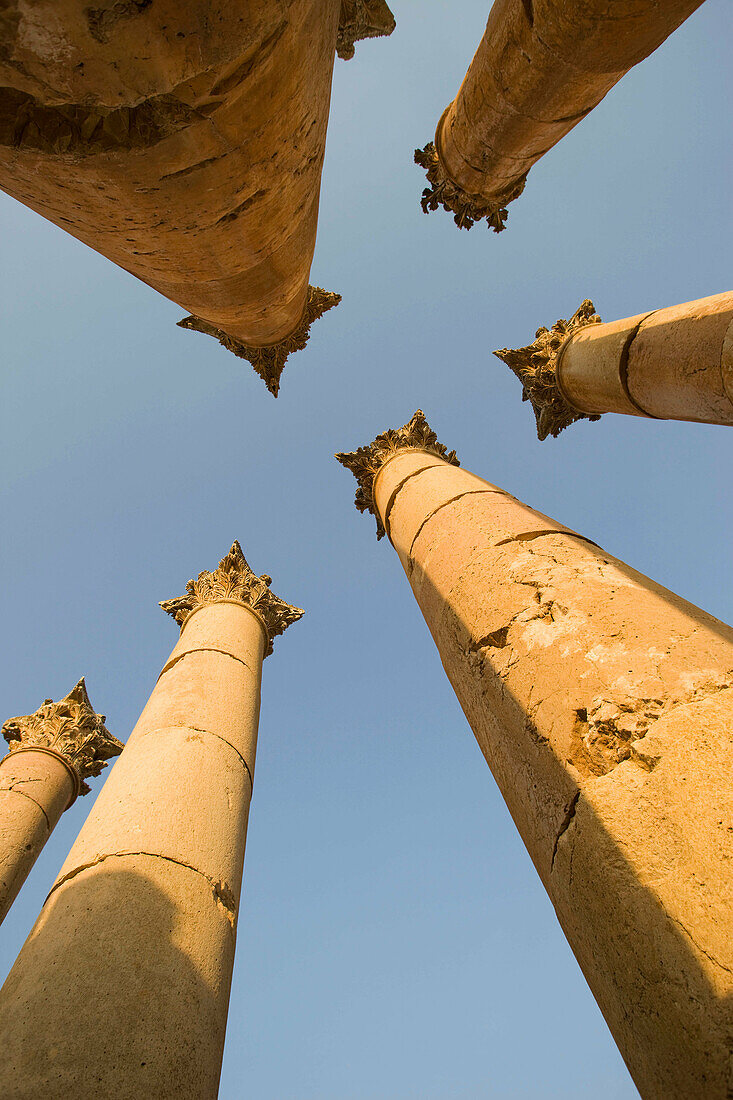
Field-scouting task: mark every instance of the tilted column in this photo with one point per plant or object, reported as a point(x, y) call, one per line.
point(603, 705)
point(184, 141)
point(668, 364)
point(540, 68)
point(122, 988)
point(52, 752)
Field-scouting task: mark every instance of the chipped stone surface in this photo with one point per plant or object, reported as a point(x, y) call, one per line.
point(200, 173)
point(135, 944)
point(603, 705)
point(539, 69)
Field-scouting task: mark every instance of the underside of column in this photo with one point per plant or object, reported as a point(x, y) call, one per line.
point(603, 705)
point(185, 142)
point(667, 364)
point(122, 988)
point(540, 68)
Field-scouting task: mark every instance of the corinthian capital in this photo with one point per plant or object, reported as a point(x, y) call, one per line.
point(365, 462)
point(361, 19)
point(235, 580)
point(269, 360)
point(70, 729)
point(536, 368)
point(466, 209)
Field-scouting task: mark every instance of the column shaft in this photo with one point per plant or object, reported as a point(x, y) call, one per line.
point(184, 142)
point(602, 703)
point(35, 789)
point(540, 68)
point(122, 987)
point(672, 364)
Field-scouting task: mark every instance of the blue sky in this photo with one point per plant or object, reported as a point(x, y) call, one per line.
point(394, 941)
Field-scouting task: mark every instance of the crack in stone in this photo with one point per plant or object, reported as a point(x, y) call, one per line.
point(30, 797)
point(570, 810)
point(223, 893)
point(459, 496)
point(203, 649)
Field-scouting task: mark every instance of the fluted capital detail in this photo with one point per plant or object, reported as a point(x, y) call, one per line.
point(365, 462)
point(361, 19)
point(235, 580)
point(466, 209)
point(269, 360)
point(69, 728)
point(536, 368)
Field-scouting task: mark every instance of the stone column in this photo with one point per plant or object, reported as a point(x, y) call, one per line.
point(540, 68)
point(184, 141)
point(668, 364)
point(122, 988)
point(52, 752)
point(602, 703)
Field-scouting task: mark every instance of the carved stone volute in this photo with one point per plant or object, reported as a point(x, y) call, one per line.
point(536, 368)
point(235, 580)
point(361, 19)
point(365, 462)
point(70, 729)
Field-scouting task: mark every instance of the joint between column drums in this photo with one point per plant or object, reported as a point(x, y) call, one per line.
point(395, 491)
point(623, 366)
point(237, 603)
point(203, 649)
point(75, 777)
point(459, 496)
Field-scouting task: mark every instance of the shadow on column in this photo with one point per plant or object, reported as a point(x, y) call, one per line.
point(113, 996)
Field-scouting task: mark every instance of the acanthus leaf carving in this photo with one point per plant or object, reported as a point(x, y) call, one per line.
point(235, 580)
point(360, 19)
point(69, 728)
point(466, 209)
point(536, 368)
point(365, 462)
point(269, 360)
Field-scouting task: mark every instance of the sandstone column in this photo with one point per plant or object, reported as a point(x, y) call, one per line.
point(668, 364)
point(540, 68)
point(52, 752)
point(602, 703)
point(122, 988)
point(184, 140)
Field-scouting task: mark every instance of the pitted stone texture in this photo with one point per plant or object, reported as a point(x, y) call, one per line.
point(592, 690)
point(138, 952)
point(198, 171)
point(35, 789)
point(540, 68)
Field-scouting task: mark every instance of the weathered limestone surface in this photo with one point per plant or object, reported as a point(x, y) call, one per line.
point(603, 705)
point(52, 752)
point(668, 364)
point(122, 988)
point(540, 68)
point(184, 141)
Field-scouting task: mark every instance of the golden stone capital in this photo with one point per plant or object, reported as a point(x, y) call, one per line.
point(466, 209)
point(365, 462)
point(361, 19)
point(69, 729)
point(536, 368)
point(235, 581)
point(269, 360)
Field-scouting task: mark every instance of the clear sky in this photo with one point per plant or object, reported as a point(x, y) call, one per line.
point(394, 942)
